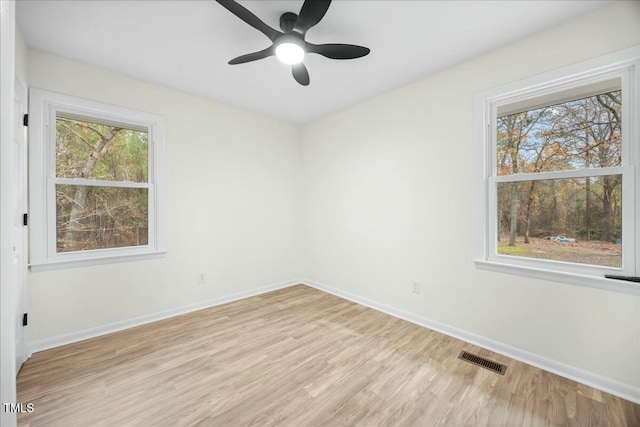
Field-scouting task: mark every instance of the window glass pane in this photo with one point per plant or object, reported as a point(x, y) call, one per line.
point(89, 217)
point(583, 133)
point(96, 151)
point(574, 220)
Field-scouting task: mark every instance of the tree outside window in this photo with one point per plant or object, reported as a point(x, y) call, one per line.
point(577, 219)
point(98, 215)
point(96, 174)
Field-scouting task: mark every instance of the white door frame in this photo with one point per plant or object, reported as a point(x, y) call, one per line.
point(8, 207)
point(21, 106)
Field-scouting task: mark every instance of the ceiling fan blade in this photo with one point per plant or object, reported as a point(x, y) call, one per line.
point(265, 53)
point(300, 73)
point(248, 17)
point(311, 13)
point(338, 51)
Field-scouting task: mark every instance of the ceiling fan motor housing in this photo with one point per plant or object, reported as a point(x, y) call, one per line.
point(288, 21)
point(289, 45)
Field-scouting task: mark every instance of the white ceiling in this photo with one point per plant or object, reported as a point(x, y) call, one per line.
point(186, 44)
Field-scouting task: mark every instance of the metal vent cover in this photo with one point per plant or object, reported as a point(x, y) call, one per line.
point(496, 367)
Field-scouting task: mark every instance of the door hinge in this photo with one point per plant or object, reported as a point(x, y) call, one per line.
point(25, 120)
point(25, 219)
point(25, 319)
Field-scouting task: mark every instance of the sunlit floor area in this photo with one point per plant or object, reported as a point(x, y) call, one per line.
point(297, 357)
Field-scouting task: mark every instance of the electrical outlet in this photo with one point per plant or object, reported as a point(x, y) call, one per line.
point(415, 287)
point(202, 279)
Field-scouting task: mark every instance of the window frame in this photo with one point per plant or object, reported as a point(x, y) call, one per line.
point(44, 107)
point(623, 64)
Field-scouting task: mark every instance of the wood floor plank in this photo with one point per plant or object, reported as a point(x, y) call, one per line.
point(297, 357)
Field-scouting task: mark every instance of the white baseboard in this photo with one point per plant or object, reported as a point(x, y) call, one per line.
point(86, 334)
point(599, 382)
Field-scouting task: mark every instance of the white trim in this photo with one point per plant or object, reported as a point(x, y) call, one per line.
point(624, 65)
point(156, 196)
point(22, 95)
point(44, 106)
point(8, 205)
point(482, 166)
point(100, 183)
point(558, 276)
point(599, 382)
point(572, 75)
point(98, 260)
point(97, 331)
point(633, 153)
point(568, 174)
point(558, 96)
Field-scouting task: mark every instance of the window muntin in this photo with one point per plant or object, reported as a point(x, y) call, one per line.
point(99, 214)
point(576, 219)
point(96, 172)
point(617, 72)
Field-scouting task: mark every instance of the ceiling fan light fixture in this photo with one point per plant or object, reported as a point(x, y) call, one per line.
point(289, 45)
point(290, 53)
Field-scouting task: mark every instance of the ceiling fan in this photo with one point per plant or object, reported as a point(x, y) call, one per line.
point(289, 45)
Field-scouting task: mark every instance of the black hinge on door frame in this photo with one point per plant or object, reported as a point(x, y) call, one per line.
point(25, 219)
point(25, 120)
point(25, 319)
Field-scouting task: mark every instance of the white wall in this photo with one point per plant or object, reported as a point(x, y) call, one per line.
point(21, 55)
point(389, 198)
point(232, 207)
point(376, 209)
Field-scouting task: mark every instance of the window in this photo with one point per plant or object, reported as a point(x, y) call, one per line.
point(559, 197)
point(95, 181)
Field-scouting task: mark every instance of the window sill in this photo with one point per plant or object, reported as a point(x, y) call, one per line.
point(87, 262)
point(556, 276)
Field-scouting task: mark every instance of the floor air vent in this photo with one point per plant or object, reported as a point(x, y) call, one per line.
point(496, 367)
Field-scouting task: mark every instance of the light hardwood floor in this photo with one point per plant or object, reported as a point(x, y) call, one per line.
point(297, 357)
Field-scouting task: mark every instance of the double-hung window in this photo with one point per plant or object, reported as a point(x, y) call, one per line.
point(95, 182)
point(557, 168)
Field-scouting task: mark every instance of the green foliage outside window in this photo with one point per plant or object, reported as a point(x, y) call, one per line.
point(100, 216)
